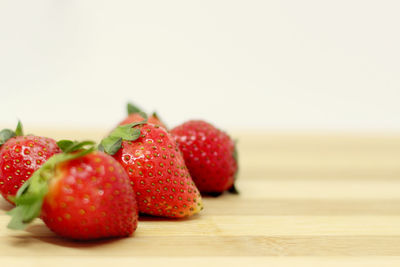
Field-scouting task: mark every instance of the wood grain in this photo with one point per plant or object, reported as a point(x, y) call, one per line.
point(306, 199)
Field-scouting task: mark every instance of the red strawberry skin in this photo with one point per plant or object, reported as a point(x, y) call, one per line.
point(158, 174)
point(90, 198)
point(209, 155)
point(20, 157)
point(136, 117)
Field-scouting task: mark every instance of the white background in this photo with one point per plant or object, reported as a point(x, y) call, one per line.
point(319, 65)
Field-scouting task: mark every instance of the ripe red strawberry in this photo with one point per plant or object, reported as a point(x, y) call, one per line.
point(135, 114)
point(210, 156)
point(83, 195)
point(20, 157)
point(156, 169)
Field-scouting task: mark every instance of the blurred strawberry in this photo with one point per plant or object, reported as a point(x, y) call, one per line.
point(210, 156)
point(20, 157)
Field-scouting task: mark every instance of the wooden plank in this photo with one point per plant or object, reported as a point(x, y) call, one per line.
point(100, 261)
point(302, 207)
point(270, 164)
point(340, 189)
point(306, 200)
point(333, 173)
point(282, 155)
point(236, 226)
point(319, 156)
point(299, 207)
point(197, 246)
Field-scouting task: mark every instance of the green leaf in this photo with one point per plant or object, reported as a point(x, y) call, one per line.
point(29, 198)
point(100, 147)
point(17, 218)
point(5, 135)
point(76, 146)
point(19, 130)
point(145, 117)
point(22, 189)
point(131, 108)
point(71, 146)
point(126, 132)
point(65, 144)
point(155, 115)
point(112, 143)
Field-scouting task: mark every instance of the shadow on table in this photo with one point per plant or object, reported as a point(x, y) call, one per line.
point(150, 218)
point(39, 232)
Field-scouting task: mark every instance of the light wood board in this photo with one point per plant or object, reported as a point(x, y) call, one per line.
point(306, 200)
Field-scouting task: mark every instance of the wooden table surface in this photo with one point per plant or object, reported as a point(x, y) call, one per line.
point(306, 199)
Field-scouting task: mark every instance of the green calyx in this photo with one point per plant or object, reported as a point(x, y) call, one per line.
point(112, 143)
point(68, 146)
point(131, 109)
point(19, 131)
point(7, 134)
point(29, 198)
point(155, 115)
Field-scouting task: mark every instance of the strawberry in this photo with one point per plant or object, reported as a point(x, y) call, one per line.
point(156, 170)
point(20, 156)
point(82, 195)
point(210, 156)
point(135, 114)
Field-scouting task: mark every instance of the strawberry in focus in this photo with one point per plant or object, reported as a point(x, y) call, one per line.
point(156, 170)
point(135, 114)
point(210, 156)
point(82, 195)
point(20, 157)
